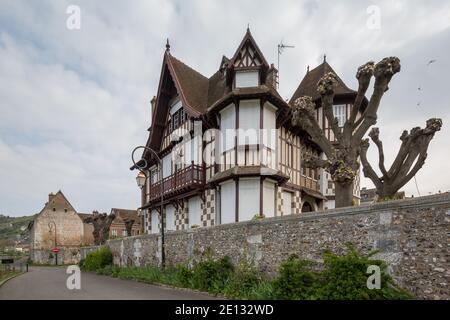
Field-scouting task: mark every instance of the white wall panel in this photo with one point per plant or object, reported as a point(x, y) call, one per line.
point(227, 202)
point(194, 211)
point(170, 217)
point(248, 198)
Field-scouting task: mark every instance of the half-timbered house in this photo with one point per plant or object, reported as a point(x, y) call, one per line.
point(227, 147)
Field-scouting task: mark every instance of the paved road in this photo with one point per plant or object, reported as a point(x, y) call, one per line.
point(49, 283)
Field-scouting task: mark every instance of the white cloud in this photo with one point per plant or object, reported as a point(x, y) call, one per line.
point(74, 103)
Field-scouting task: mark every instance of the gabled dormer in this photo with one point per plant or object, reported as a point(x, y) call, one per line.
point(248, 67)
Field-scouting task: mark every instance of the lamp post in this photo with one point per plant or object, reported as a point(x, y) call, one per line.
point(56, 253)
point(141, 180)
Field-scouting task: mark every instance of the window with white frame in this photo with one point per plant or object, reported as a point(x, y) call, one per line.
point(339, 113)
point(114, 232)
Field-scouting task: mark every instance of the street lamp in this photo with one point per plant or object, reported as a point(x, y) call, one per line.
point(56, 245)
point(141, 180)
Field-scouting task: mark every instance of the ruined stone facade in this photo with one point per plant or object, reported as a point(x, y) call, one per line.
point(71, 232)
point(412, 236)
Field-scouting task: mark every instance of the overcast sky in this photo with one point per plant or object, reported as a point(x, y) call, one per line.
point(73, 103)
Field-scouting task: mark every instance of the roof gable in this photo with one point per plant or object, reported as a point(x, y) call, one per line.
point(59, 202)
point(308, 85)
point(248, 54)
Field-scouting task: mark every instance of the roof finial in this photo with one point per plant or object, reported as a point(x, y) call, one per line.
point(248, 27)
point(167, 45)
point(307, 69)
point(324, 58)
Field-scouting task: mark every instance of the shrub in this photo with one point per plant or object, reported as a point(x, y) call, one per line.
point(295, 280)
point(98, 259)
point(184, 274)
point(345, 277)
point(244, 282)
point(211, 275)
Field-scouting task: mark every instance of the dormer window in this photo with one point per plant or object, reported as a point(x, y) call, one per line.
point(177, 116)
point(245, 79)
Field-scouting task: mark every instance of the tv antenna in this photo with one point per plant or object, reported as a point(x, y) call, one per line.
point(281, 47)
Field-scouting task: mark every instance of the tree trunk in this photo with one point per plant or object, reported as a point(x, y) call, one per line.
point(344, 194)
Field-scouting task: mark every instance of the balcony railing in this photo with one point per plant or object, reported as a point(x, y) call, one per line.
point(189, 178)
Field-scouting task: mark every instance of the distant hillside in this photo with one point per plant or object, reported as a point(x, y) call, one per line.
point(13, 228)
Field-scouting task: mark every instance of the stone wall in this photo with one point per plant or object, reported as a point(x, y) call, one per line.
point(412, 236)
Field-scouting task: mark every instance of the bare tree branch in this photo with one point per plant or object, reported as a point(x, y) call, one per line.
point(367, 168)
point(413, 151)
point(383, 72)
point(374, 135)
point(303, 116)
point(364, 74)
point(325, 87)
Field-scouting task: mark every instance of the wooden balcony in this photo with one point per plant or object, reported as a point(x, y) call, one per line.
point(309, 183)
point(187, 179)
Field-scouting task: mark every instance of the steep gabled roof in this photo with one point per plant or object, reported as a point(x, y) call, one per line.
point(191, 85)
point(308, 86)
point(58, 200)
point(248, 40)
point(123, 214)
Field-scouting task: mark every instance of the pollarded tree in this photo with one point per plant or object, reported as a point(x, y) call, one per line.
point(342, 155)
point(410, 158)
point(102, 223)
point(128, 225)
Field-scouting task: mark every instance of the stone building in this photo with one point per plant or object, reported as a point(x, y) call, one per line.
point(58, 225)
point(118, 228)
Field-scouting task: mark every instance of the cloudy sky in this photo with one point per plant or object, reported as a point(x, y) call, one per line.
point(73, 103)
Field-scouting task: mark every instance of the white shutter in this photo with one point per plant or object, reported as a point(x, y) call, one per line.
point(269, 125)
point(247, 79)
point(170, 217)
point(167, 165)
point(269, 199)
point(227, 127)
point(249, 122)
point(175, 107)
point(287, 203)
point(248, 198)
point(227, 202)
point(195, 211)
point(155, 221)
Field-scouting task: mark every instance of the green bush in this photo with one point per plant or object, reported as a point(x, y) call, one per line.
point(211, 275)
point(295, 280)
point(244, 282)
point(184, 274)
point(98, 259)
point(345, 278)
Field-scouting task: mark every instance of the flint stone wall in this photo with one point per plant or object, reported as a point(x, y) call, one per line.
point(412, 236)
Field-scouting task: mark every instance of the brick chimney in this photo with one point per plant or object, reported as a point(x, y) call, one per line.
point(51, 195)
